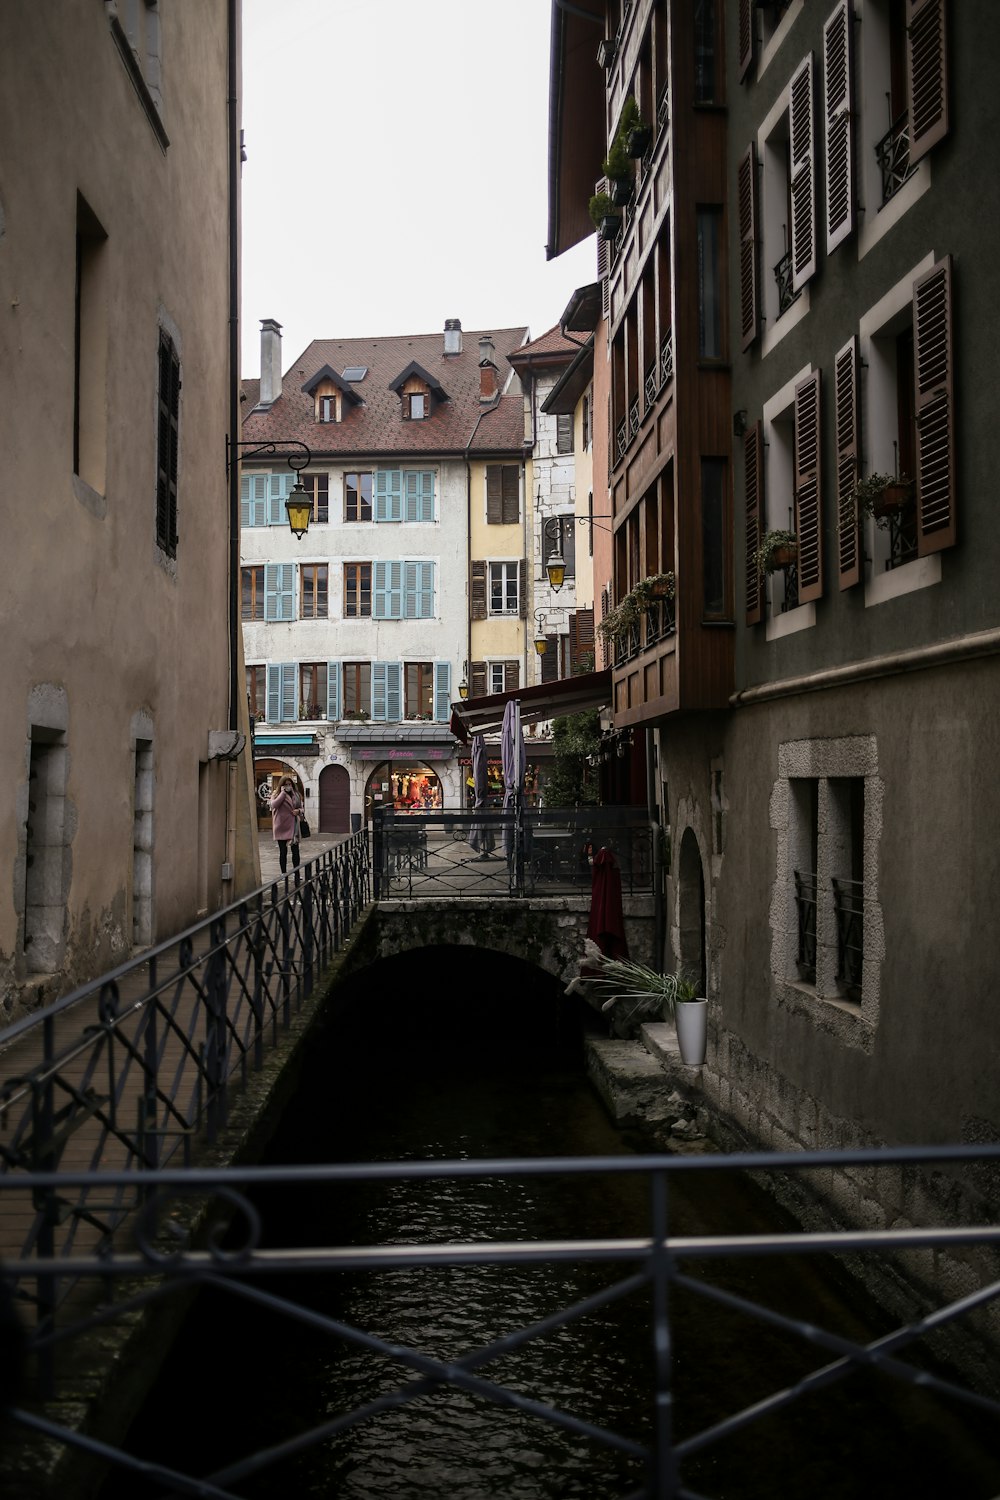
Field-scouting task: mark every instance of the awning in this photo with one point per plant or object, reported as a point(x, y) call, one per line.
point(546, 700)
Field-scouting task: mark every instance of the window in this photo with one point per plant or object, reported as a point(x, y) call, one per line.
point(788, 195)
point(709, 232)
point(403, 591)
point(415, 405)
point(262, 499)
point(587, 431)
point(168, 413)
point(252, 584)
point(502, 676)
point(357, 688)
point(312, 689)
point(257, 691)
point(282, 684)
point(317, 487)
point(404, 495)
point(706, 82)
point(564, 432)
point(313, 591)
point(503, 494)
point(327, 408)
point(419, 689)
point(90, 352)
point(714, 532)
point(560, 535)
point(504, 588)
point(47, 835)
point(357, 590)
point(279, 591)
point(357, 497)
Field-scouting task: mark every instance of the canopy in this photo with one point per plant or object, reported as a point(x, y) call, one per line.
point(546, 700)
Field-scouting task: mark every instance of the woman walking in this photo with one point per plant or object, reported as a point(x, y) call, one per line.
point(286, 805)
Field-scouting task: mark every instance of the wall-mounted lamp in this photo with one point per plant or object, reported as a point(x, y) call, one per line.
point(463, 689)
point(541, 644)
point(739, 422)
point(298, 506)
point(555, 563)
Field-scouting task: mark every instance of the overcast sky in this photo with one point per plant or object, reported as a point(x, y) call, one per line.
point(396, 170)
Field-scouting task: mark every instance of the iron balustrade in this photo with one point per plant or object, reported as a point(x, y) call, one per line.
point(154, 1261)
point(783, 276)
point(848, 906)
point(893, 156)
point(667, 358)
point(633, 417)
point(805, 906)
point(134, 1066)
point(502, 855)
point(660, 621)
point(651, 385)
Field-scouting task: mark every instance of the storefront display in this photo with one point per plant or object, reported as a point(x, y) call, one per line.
point(405, 787)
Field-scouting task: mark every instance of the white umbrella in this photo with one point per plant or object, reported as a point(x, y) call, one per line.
point(513, 762)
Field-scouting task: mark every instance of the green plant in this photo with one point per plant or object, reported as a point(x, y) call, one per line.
point(868, 492)
point(631, 117)
point(602, 207)
point(770, 543)
point(629, 611)
point(574, 738)
point(616, 164)
point(628, 982)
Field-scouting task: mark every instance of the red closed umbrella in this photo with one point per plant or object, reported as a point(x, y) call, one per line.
point(606, 923)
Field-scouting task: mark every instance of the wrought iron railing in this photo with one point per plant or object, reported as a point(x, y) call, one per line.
point(667, 357)
point(805, 905)
point(127, 1072)
point(848, 906)
point(660, 621)
point(505, 855)
point(783, 276)
point(152, 1262)
point(892, 153)
point(651, 384)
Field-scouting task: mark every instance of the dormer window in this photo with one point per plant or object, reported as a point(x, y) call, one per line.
point(328, 409)
point(417, 402)
point(332, 396)
point(415, 388)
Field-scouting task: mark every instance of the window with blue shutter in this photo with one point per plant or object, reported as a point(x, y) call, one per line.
point(281, 682)
point(253, 500)
point(388, 495)
point(442, 691)
point(418, 495)
point(387, 603)
point(333, 691)
point(387, 691)
point(279, 488)
point(279, 591)
point(418, 591)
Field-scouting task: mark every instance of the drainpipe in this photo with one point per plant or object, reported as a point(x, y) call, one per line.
point(659, 881)
point(235, 150)
point(468, 531)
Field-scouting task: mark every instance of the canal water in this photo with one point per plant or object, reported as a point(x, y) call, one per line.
point(448, 1075)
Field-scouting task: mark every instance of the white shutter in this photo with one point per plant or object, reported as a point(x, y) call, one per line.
point(802, 129)
point(838, 47)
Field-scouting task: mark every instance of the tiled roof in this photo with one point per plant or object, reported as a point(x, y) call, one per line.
point(378, 427)
point(551, 346)
point(249, 395)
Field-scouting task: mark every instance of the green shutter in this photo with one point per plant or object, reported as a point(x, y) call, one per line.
point(281, 679)
point(418, 495)
point(388, 495)
point(333, 691)
point(279, 591)
point(279, 487)
point(253, 500)
point(418, 591)
point(442, 691)
point(387, 591)
point(387, 691)
point(245, 501)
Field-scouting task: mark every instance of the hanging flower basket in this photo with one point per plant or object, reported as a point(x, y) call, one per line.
point(778, 549)
point(884, 497)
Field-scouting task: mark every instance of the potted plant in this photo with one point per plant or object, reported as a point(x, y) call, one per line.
point(638, 601)
point(647, 996)
point(617, 169)
point(606, 215)
point(656, 586)
point(633, 130)
point(778, 549)
point(884, 496)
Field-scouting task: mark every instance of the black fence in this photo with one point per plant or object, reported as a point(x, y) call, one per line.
point(508, 854)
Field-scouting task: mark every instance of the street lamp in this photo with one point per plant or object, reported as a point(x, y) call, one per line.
point(555, 563)
point(463, 689)
point(298, 506)
point(541, 644)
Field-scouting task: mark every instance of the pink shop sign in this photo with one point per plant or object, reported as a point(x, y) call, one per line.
point(402, 752)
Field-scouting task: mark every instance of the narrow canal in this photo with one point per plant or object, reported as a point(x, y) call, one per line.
point(411, 1072)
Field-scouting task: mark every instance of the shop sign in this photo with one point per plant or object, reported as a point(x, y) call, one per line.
point(401, 752)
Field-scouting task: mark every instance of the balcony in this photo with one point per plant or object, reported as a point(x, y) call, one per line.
point(893, 156)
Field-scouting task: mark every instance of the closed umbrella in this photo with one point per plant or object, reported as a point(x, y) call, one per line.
point(480, 834)
point(606, 923)
point(512, 762)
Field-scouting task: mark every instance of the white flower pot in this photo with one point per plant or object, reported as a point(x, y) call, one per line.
point(691, 1020)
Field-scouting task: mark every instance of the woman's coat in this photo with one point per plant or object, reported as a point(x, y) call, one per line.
point(285, 807)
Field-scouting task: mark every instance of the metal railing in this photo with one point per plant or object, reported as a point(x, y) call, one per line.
point(892, 153)
point(506, 855)
point(783, 272)
point(656, 1265)
point(805, 906)
point(126, 1072)
point(849, 909)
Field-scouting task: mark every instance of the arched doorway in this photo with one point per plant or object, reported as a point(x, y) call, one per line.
point(266, 775)
point(691, 911)
point(334, 800)
point(405, 785)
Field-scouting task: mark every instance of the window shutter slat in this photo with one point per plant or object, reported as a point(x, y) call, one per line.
point(494, 491)
point(477, 679)
point(510, 504)
point(442, 691)
point(522, 589)
point(753, 485)
point(393, 691)
point(935, 408)
point(744, 34)
point(926, 74)
point(808, 507)
point(388, 495)
point(333, 691)
point(746, 192)
point(802, 129)
point(848, 450)
point(378, 689)
point(288, 674)
point(245, 501)
point(838, 43)
point(477, 591)
point(511, 676)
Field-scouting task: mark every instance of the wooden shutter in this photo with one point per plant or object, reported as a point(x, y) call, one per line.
point(603, 254)
point(511, 495)
point(511, 676)
point(388, 495)
point(442, 691)
point(848, 453)
point(550, 661)
point(418, 590)
point(333, 691)
point(494, 494)
point(933, 361)
point(808, 508)
point(746, 194)
point(926, 74)
point(838, 50)
point(387, 677)
point(522, 589)
point(387, 591)
point(477, 680)
point(477, 591)
point(581, 640)
point(418, 495)
point(744, 35)
point(279, 487)
point(753, 486)
point(279, 591)
point(281, 683)
point(802, 130)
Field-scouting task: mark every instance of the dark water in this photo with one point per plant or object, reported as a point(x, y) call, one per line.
point(404, 1089)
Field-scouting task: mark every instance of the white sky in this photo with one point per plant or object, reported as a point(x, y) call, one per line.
point(396, 170)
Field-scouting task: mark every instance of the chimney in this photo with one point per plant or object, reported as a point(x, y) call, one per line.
point(487, 368)
point(270, 361)
point(452, 336)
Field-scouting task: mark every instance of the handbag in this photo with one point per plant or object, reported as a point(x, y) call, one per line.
point(303, 829)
